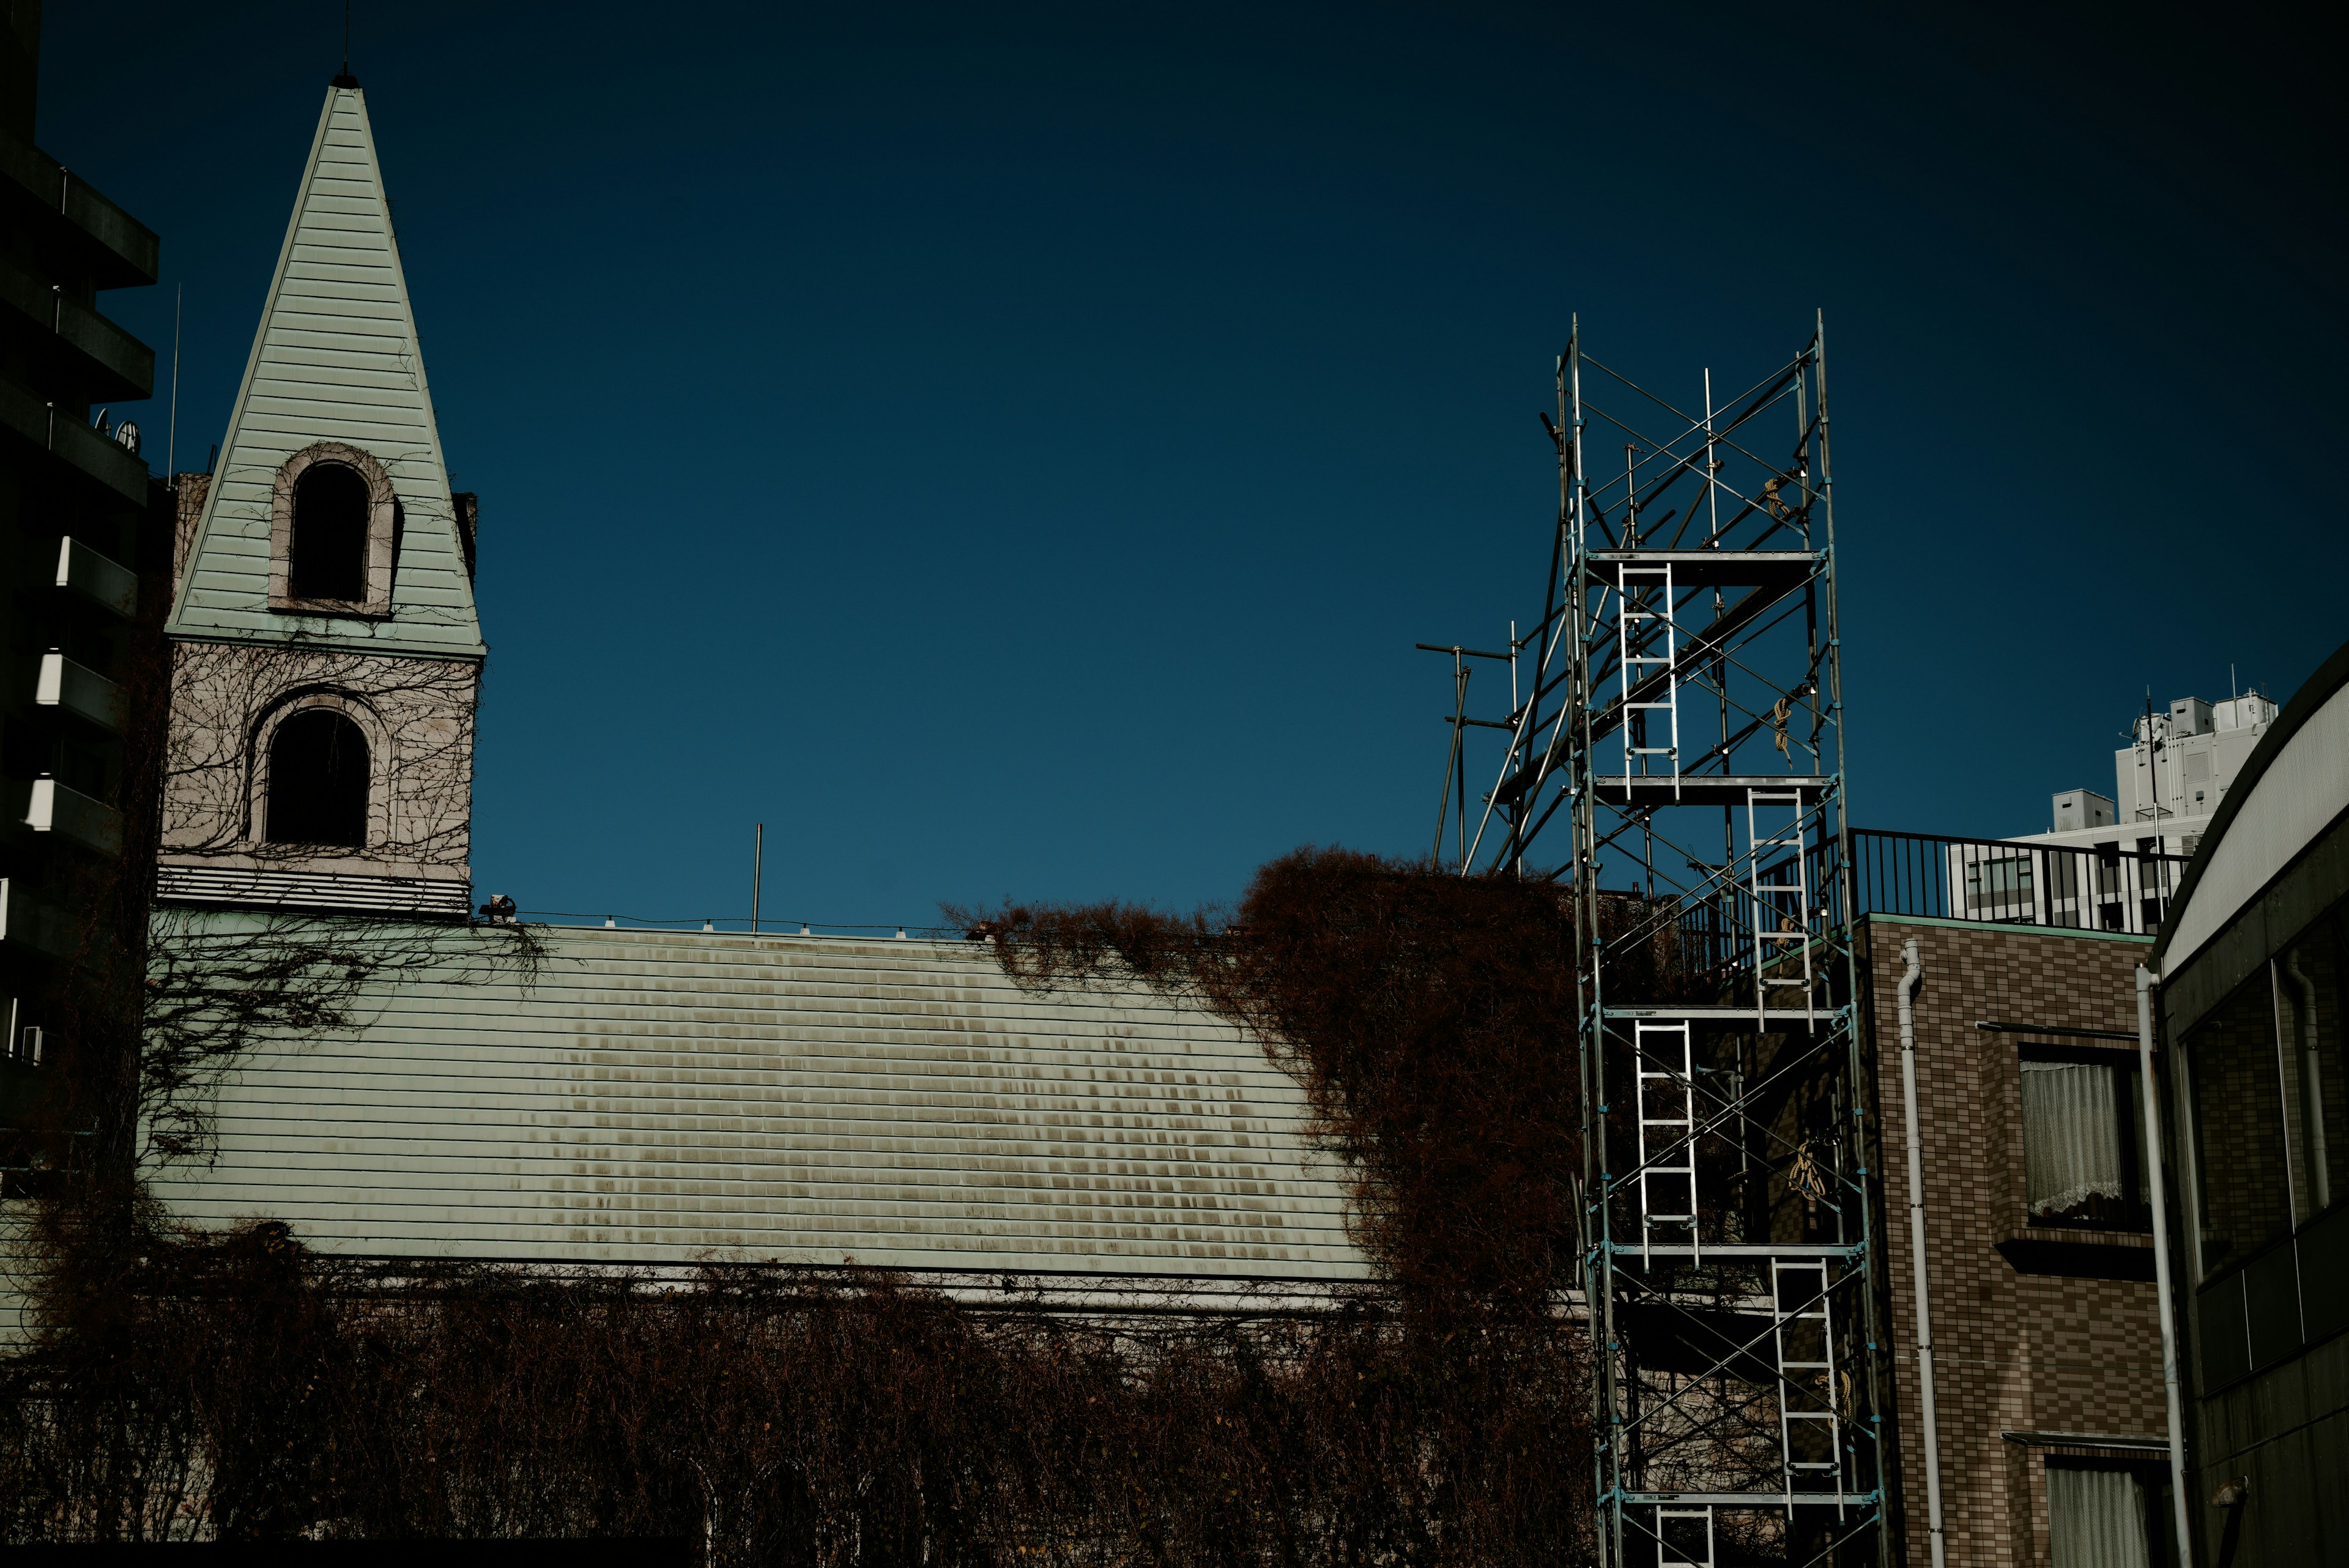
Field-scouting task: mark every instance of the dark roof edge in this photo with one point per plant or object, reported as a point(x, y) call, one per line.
point(2331, 676)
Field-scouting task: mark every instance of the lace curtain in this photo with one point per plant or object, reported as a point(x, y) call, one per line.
point(2070, 1134)
point(2096, 1519)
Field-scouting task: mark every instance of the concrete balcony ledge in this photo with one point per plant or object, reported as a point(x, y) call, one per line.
point(100, 358)
point(26, 921)
point(79, 691)
point(52, 807)
point(98, 579)
point(63, 432)
point(120, 251)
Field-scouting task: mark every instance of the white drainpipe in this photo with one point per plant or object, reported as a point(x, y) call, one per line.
point(1914, 972)
point(2145, 984)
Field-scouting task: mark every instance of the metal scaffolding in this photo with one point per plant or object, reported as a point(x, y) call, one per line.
point(1678, 703)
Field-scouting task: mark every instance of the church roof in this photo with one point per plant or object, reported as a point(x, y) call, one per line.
point(335, 359)
point(667, 1099)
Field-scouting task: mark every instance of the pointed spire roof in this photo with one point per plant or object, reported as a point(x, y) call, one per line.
point(336, 359)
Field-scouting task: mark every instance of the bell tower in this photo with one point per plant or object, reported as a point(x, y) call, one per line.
point(326, 658)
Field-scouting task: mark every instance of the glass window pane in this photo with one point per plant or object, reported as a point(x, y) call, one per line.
point(2096, 1519)
point(2307, 987)
point(2239, 1135)
point(2071, 1141)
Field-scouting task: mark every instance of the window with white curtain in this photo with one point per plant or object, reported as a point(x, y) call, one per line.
point(2096, 1519)
point(2081, 1117)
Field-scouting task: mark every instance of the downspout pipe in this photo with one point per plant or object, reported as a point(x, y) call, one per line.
point(2311, 1082)
point(1913, 971)
point(2169, 1387)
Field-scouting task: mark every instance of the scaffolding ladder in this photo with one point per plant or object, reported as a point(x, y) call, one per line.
point(1680, 1548)
point(1636, 667)
point(1771, 929)
point(1808, 1424)
point(1669, 1136)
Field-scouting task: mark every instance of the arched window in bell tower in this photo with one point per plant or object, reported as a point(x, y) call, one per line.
point(326, 559)
point(317, 782)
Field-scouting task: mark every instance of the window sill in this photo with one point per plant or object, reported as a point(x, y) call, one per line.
point(2085, 1230)
point(339, 610)
point(2080, 1254)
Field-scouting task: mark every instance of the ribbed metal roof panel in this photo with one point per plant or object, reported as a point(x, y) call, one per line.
point(662, 1099)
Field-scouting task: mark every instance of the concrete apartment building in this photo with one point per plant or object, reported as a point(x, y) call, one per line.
point(80, 515)
point(2167, 782)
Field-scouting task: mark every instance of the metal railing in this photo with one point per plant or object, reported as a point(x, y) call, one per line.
point(2104, 887)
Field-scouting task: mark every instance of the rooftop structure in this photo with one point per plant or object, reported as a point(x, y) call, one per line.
point(2169, 781)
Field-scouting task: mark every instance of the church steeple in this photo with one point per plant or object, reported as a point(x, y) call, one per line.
point(325, 655)
point(336, 376)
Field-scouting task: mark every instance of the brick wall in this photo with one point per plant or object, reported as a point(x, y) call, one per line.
point(2013, 1351)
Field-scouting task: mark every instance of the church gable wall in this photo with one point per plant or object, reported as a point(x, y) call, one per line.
point(228, 701)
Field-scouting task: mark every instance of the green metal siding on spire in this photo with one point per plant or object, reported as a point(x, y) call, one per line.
point(337, 359)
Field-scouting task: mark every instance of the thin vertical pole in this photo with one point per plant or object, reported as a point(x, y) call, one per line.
point(1460, 752)
point(171, 441)
point(758, 871)
point(1452, 763)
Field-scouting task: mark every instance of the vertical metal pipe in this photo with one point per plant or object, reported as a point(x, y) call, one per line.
point(2169, 1386)
point(2312, 1085)
point(758, 871)
point(1913, 970)
point(1598, 1263)
point(2287, 1082)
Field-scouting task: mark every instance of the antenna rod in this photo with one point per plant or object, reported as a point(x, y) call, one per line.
point(347, 37)
point(758, 870)
point(171, 440)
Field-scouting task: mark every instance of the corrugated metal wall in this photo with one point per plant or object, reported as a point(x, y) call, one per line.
point(658, 1099)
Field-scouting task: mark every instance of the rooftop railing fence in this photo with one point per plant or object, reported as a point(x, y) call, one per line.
point(2104, 887)
point(1992, 881)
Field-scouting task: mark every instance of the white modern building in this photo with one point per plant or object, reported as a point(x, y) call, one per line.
point(2112, 862)
point(2168, 781)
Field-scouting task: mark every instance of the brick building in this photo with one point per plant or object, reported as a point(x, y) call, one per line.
point(2047, 1350)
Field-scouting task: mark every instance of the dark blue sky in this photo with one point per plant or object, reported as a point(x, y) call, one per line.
point(1013, 449)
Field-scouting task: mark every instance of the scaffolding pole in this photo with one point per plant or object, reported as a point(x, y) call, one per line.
point(1732, 1256)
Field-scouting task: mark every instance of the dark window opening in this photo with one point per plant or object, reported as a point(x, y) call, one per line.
point(468, 522)
point(318, 782)
point(327, 555)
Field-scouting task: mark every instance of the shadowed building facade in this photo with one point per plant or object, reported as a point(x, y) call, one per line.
point(83, 530)
point(2254, 967)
